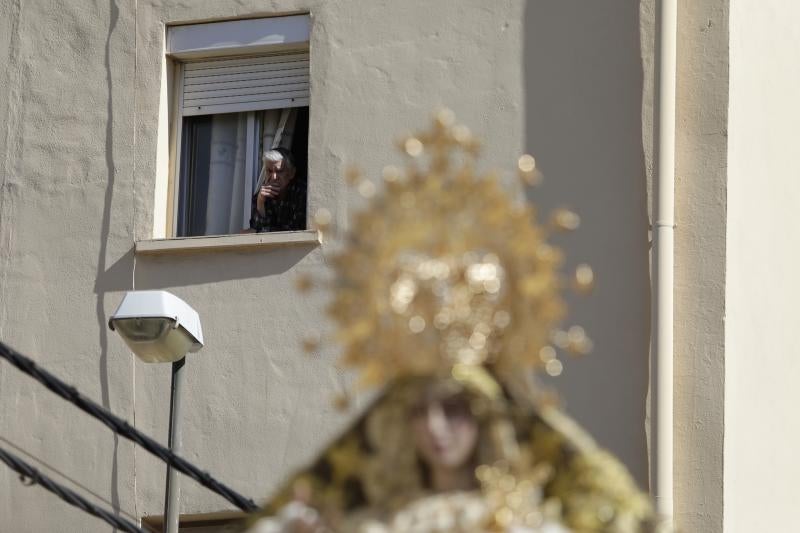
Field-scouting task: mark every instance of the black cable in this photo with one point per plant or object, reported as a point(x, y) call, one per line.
point(121, 427)
point(29, 476)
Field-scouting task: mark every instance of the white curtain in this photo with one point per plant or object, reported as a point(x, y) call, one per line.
point(277, 130)
point(226, 174)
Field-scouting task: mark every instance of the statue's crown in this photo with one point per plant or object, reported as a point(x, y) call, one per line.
point(444, 274)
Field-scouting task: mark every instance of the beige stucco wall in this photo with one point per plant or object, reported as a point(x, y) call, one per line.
point(701, 151)
point(80, 89)
point(700, 248)
point(762, 431)
point(65, 224)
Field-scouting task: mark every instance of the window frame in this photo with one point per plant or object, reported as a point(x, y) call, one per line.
point(196, 42)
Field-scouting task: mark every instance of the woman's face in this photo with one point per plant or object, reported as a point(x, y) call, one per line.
point(445, 431)
point(279, 174)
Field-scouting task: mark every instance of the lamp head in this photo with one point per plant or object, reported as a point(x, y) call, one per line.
point(157, 326)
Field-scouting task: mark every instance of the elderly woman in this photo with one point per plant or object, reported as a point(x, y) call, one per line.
point(279, 204)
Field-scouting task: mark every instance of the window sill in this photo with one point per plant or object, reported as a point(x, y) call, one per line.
point(218, 243)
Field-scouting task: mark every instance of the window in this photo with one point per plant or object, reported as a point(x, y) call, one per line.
point(242, 89)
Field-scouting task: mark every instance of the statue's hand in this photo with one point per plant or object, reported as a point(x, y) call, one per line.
point(295, 517)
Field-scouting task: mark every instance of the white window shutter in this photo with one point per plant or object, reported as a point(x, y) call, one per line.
point(273, 81)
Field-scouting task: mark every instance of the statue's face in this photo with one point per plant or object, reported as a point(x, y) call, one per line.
point(445, 431)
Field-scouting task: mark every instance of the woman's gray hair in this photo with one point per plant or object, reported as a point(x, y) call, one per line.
point(273, 156)
point(276, 155)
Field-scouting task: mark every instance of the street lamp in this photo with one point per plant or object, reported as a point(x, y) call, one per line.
point(159, 327)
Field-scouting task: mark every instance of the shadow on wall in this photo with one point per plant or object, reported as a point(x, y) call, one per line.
point(182, 270)
point(105, 227)
point(583, 83)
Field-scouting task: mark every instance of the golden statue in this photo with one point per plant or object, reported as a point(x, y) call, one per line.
point(447, 295)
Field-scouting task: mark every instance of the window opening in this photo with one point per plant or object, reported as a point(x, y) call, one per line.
point(233, 111)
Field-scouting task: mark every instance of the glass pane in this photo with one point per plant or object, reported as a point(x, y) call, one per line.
point(213, 174)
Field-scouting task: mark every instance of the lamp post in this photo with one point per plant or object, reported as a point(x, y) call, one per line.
point(159, 327)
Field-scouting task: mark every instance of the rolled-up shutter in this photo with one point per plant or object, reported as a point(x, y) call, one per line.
point(272, 81)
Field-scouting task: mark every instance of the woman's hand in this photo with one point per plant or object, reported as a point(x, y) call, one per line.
point(269, 191)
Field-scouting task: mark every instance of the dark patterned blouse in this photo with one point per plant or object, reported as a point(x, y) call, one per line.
point(285, 213)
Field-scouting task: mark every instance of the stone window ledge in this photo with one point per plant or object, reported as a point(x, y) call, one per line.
point(219, 243)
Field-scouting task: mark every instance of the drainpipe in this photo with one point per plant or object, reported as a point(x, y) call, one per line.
point(661, 467)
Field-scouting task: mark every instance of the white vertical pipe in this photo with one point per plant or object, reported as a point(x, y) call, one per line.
point(663, 251)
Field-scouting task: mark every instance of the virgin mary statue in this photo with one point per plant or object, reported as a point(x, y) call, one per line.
point(447, 296)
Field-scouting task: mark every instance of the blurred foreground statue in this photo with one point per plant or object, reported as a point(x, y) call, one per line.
point(448, 296)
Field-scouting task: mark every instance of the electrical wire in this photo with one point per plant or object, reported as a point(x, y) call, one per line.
point(120, 426)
